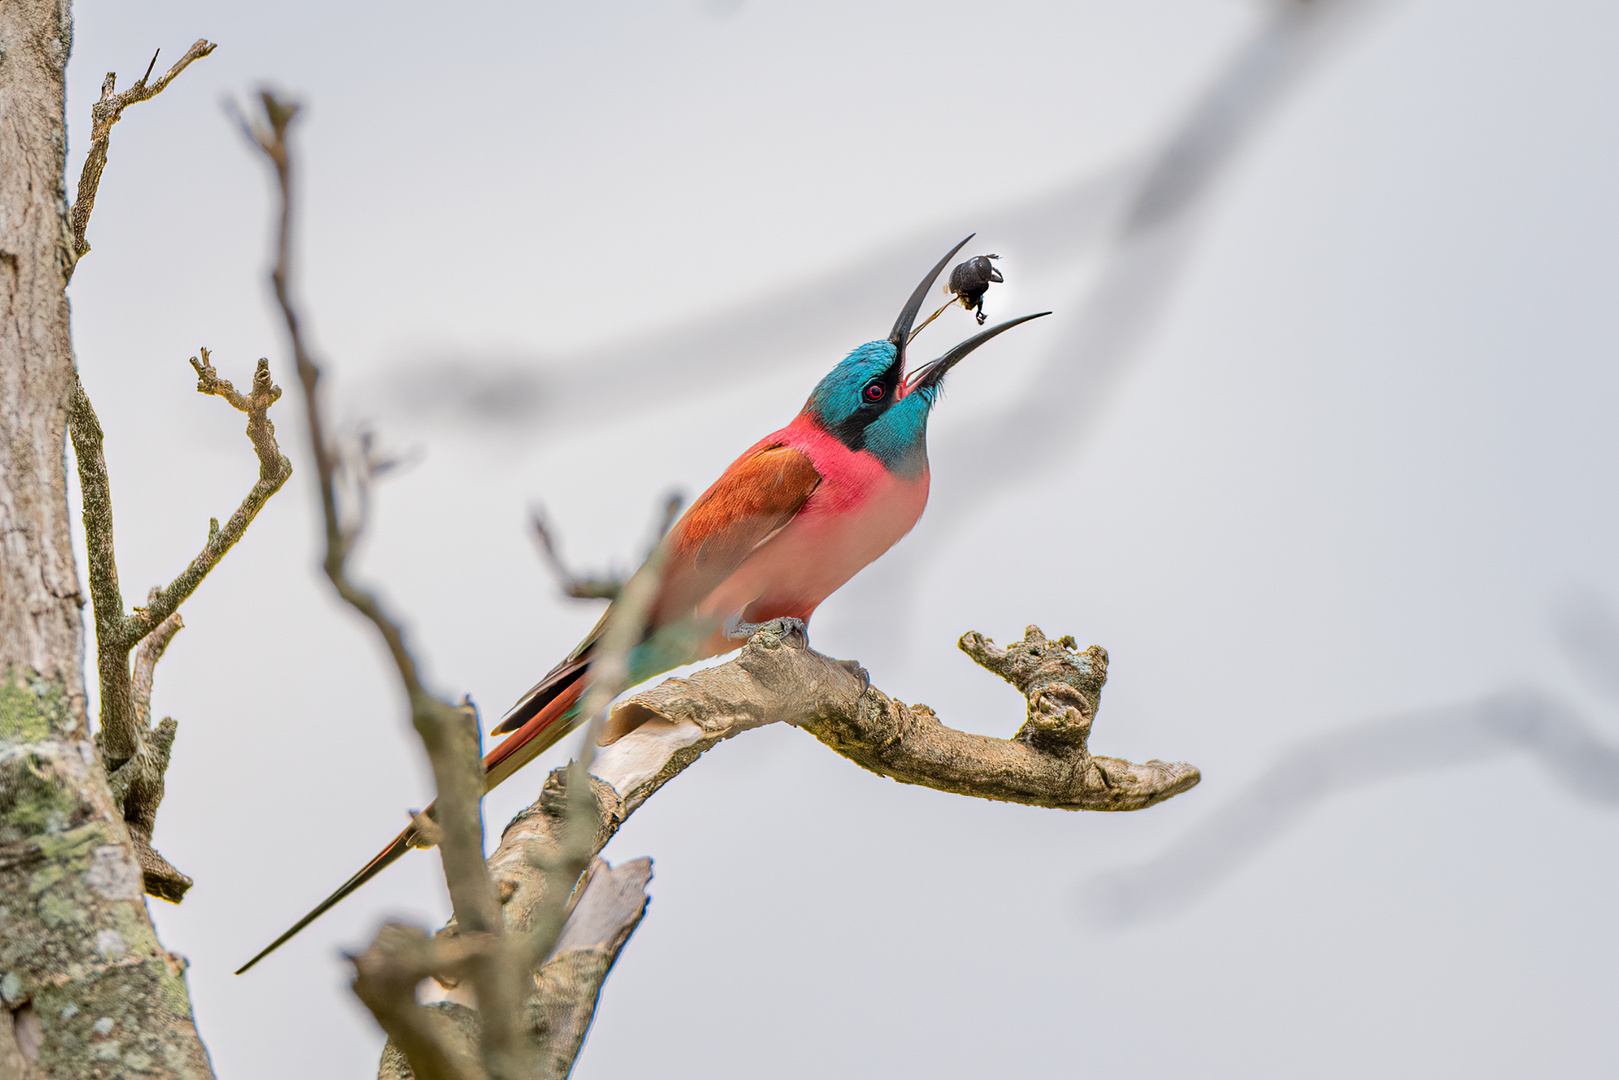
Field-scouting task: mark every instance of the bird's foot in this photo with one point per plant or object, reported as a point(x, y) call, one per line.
point(737, 630)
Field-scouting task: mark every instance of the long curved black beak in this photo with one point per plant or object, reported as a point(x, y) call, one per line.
point(931, 373)
point(902, 325)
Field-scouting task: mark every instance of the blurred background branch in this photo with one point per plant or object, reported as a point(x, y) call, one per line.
point(1524, 720)
point(606, 586)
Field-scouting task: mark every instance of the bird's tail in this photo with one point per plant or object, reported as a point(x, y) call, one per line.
point(544, 717)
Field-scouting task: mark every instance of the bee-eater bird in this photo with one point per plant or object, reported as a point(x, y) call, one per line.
point(797, 515)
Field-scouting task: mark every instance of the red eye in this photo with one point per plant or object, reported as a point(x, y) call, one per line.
point(875, 392)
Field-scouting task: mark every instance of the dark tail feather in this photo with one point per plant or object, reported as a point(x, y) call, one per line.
point(384, 859)
point(540, 731)
point(543, 717)
point(562, 677)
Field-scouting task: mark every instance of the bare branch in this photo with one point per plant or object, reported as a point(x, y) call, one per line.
point(611, 906)
point(566, 987)
point(777, 678)
point(147, 654)
point(658, 733)
point(544, 923)
point(581, 836)
point(118, 735)
point(139, 784)
point(274, 470)
point(1047, 763)
point(135, 753)
point(103, 115)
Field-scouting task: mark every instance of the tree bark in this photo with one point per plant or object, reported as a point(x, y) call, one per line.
point(88, 990)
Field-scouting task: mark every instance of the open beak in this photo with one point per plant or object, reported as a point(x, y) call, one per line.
point(931, 373)
point(902, 325)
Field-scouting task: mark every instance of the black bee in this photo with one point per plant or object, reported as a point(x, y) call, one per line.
point(971, 280)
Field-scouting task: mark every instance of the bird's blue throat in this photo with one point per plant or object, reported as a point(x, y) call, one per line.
point(891, 428)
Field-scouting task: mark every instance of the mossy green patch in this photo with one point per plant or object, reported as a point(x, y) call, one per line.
point(33, 801)
point(59, 911)
point(129, 919)
point(75, 844)
point(43, 879)
point(32, 709)
point(175, 998)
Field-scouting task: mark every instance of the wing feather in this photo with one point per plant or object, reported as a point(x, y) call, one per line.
point(751, 502)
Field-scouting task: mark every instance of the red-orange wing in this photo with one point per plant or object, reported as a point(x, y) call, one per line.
point(746, 506)
point(756, 496)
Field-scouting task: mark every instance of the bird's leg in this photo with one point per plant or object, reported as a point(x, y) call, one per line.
point(738, 630)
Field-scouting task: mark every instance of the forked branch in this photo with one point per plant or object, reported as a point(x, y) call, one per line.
point(136, 753)
point(103, 115)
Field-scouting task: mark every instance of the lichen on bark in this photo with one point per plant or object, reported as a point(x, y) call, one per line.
point(87, 989)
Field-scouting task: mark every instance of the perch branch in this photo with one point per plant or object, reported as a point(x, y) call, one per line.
point(103, 115)
point(655, 735)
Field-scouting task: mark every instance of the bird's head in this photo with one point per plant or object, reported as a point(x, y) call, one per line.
point(871, 403)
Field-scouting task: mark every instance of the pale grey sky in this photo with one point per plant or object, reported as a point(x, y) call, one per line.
point(1343, 464)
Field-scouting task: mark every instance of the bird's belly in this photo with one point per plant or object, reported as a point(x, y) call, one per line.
point(833, 538)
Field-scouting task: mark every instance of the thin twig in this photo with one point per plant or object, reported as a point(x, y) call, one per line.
point(274, 471)
point(497, 975)
point(147, 654)
point(603, 586)
point(103, 115)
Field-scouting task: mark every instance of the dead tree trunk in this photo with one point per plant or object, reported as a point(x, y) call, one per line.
point(87, 988)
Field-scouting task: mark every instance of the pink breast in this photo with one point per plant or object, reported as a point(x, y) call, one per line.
point(859, 511)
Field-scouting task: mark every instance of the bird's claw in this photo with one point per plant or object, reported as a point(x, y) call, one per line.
point(738, 630)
